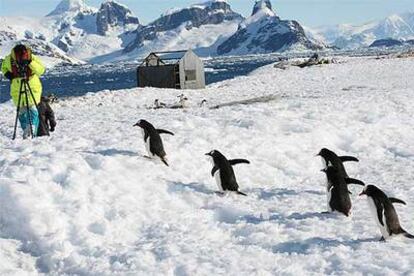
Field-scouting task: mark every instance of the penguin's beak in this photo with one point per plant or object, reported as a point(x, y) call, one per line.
point(362, 193)
point(323, 170)
point(137, 124)
point(208, 154)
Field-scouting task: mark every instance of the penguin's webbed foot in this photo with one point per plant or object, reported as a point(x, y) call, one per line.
point(382, 239)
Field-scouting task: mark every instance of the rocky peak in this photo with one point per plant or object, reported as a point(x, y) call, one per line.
point(113, 14)
point(261, 5)
point(208, 13)
point(75, 6)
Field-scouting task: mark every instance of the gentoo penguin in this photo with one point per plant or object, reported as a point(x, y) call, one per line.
point(384, 212)
point(338, 194)
point(223, 172)
point(152, 140)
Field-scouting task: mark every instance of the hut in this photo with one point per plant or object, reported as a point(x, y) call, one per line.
point(174, 69)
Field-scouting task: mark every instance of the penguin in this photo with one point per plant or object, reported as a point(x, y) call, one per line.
point(382, 209)
point(338, 194)
point(203, 103)
point(329, 158)
point(183, 101)
point(152, 140)
point(223, 172)
point(158, 104)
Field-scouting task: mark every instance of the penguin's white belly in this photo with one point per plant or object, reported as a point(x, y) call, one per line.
point(328, 197)
point(217, 177)
point(147, 147)
point(147, 144)
point(383, 228)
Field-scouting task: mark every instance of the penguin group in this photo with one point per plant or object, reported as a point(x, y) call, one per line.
point(379, 203)
point(338, 199)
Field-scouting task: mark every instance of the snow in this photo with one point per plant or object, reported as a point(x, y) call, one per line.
point(84, 201)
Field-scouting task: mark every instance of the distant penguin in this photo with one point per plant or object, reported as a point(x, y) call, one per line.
point(183, 101)
point(203, 103)
point(158, 104)
point(152, 140)
point(223, 172)
point(338, 194)
point(382, 209)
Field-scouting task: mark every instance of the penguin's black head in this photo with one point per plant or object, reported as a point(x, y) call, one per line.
point(212, 153)
point(325, 153)
point(370, 190)
point(142, 123)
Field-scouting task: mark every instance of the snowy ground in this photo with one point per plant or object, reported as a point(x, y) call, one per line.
point(85, 202)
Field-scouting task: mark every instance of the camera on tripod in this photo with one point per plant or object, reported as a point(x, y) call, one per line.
point(23, 69)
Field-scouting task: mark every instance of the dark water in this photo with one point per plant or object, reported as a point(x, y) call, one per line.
point(79, 80)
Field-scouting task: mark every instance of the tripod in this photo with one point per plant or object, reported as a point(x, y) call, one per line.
point(25, 91)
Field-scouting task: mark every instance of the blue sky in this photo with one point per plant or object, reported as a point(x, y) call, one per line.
point(308, 12)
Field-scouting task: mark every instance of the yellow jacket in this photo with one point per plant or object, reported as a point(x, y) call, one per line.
point(37, 68)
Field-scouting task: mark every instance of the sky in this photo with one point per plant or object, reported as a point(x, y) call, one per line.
point(311, 13)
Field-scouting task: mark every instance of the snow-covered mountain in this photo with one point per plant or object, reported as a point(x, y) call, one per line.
point(113, 14)
point(78, 31)
point(198, 26)
point(113, 33)
point(265, 32)
point(399, 27)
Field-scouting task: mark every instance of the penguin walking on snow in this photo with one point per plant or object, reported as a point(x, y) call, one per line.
point(382, 209)
point(223, 171)
point(338, 194)
point(330, 159)
point(152, 140)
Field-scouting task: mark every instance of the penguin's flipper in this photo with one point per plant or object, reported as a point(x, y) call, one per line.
point(240, 193)
point(213, 171)
point(354, 181)
point(396, 200)
point(238, 161)
point(408, 235)
point(348, 158)
point(163, 131)
point(165, 162)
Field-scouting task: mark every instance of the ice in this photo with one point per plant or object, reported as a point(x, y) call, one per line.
point(85, 201)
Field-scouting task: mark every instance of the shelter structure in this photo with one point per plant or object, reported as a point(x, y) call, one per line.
point(173, 69)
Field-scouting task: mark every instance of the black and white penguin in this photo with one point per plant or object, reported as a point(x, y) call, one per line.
point(382, 209)
point(152, 140)
point(330, 158)
point(223, 171)
point(338, 194)
point(158, 104)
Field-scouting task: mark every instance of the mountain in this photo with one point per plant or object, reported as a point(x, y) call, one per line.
point(66, 6)
point(265, 32)
point(399, 27)
point(112, 15)
point(199, 26)
point(74, 28)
